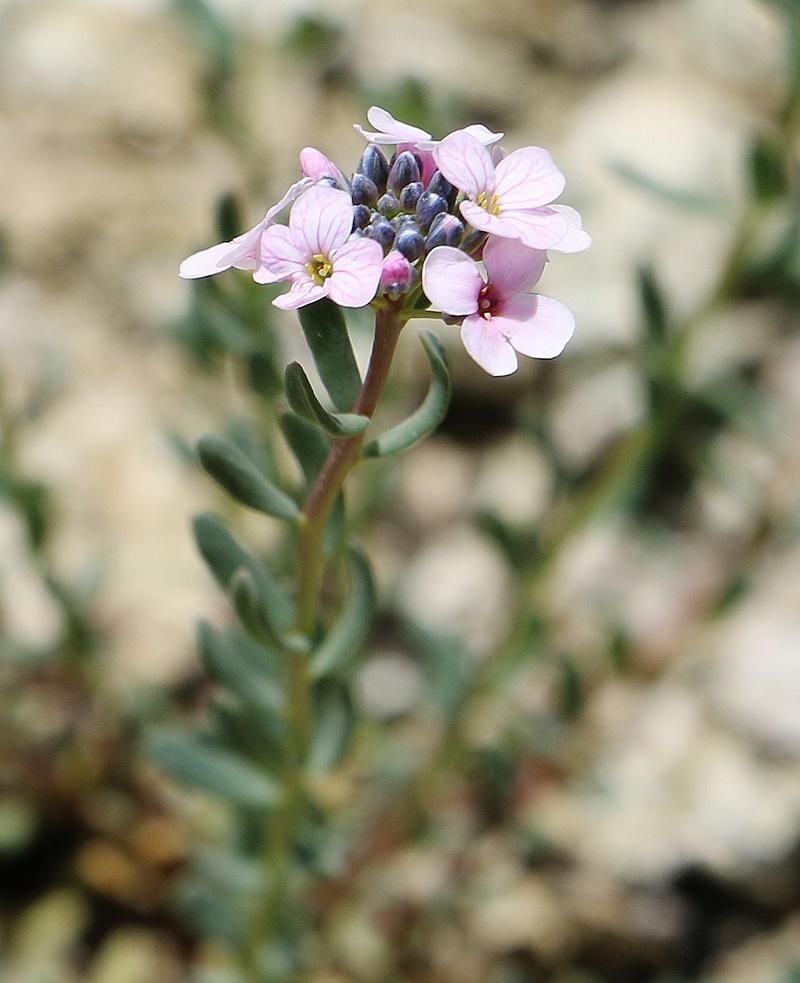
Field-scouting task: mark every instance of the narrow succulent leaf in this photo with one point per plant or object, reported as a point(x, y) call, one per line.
point(342, 643)
point(263, 737)
point(309, 444)
point(224, 556)
point(252, 611)
point(333, 724)
point(230, 666)
point(232, 873)
point(767, 171)
point(191, 761)
point(212, 917)
point(654, 306)
point(304, 402)
point(326, 334)
point(429, 415)
point(236, 473)
point(336, 529)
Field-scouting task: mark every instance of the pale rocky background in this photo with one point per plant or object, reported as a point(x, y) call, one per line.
point(109, 173)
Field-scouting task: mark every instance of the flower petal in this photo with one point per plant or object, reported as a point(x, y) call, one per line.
point(315, 165)
point(483, 134)
point(511, 266)
point(527, 178)
point(303, 292)
point(206, 262)
point(280, 258)
point(537, 326)
point(466, 163)
point(390, 130)
point(321, 219)
point(488, 346)
point(539, 228)
point(576, 239)
point(480, 219)
point(356, 273)
point(452, 281)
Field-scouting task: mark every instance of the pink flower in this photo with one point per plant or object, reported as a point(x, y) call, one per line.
point(243, 251)
point(316, 253)
point(314, 164)
point(501, 317)
point(390, 130)
point(397, 275)
point(508, 199)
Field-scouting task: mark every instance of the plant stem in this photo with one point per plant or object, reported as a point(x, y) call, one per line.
point(312, 524)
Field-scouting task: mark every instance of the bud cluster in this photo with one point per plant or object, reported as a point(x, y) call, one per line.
point(396, 206)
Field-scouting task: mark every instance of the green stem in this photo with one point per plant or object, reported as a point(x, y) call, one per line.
point(312, 524)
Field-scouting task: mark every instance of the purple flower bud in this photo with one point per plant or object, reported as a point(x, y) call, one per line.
point(397, 275)
point(404, 171)
point(363, 190)
point(428, 207)
point(445, 230)
point(411, 243)
point(361, 216)
point(409, 196)
point(380, 229)
point(329, 181)
point(473, 242)
point(388, 204)
point(439, 185)
point(374, 165)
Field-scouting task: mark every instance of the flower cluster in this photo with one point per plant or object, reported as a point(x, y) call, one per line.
point(413, 227)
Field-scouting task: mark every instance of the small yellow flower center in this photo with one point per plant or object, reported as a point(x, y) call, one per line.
point(319, 269)
point(490, 205)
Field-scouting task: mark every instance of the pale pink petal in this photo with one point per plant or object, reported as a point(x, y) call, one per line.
point(321, 219)
point(452, 281)
point(280, 258)
point(527, 178)
point(536, 326)
point(539, 228)
point(291, 195)
point(356, 272)
point(315, 165)
point(480, 219)
point(303, 292)
point(498, 154)
point(389, 129)
point(483, 134)
point(206, 262)
point(512, 267)
point(576, 239)
point(465, 163)
point(487, 345)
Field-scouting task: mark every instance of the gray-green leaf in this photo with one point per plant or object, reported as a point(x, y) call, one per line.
point(304, 402)
point(235, 472)
point(326, 334)
point(347, 635)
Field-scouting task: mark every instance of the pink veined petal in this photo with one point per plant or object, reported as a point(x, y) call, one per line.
point(206, 262)
point(511, 266)
point(291, 195)
point(452, 281)
point(483, 134)
point(356, 273)
point(488, 346)
point(537, 326)
point(527, 178)
point(466, 163)
point(321, 219)
point(539, 228)
point(302, 292)
point(497, 225)
point(576, 239)
point(280, 258)
point(315, 165)
point(390, 130)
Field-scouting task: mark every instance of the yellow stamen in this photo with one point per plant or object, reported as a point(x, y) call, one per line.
point(492, 206)
point(319, 268)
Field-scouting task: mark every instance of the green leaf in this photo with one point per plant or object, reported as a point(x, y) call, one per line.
point(233, 667)
point(209, 915)
point(347, 635)
point(326, 334)
point(252, 610)
point(261, 737)
point(767, 171)
point(654, 306)
point(190, 761)
point(232, 873)
point(224, 557)
point(236, 473)
point(304, 402)
point(333, 719)
point(429, 415)
point(309, 444)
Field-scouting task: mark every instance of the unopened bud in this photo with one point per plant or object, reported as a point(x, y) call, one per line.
point(361, 216)
point(374, 165)
point(445, 230)
point(411, 243)
point(388, 204)
point(363, 190)
point(314, 164)
point(397, 275)
point(380, 229)
point(439, 185)
point(428, 207)
point(404, 171)
point(409, 196)
point(473, 244)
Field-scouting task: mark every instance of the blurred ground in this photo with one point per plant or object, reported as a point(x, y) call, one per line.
point(659, 835)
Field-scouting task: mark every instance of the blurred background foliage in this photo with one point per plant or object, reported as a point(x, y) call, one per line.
point(577, 753)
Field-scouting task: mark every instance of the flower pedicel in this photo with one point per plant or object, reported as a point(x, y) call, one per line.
point(410, 231)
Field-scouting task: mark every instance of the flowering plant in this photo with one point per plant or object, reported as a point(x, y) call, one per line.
point(405, 235)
